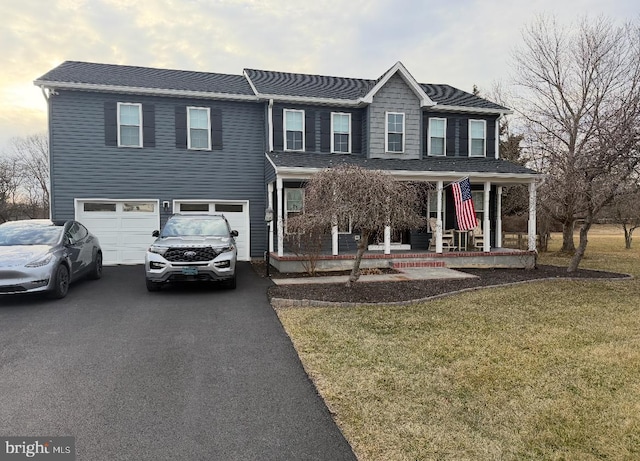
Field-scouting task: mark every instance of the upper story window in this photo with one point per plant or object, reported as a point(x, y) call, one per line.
point(293, 129)
point(129, 125)
point(437, 140)
point(394, 132)
point(341, 132)
point(477, 138)
point(198, 128)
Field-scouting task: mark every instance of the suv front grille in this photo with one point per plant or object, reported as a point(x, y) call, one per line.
point(191, 254)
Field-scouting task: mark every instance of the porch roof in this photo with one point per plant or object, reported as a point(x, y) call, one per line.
point(303, 165)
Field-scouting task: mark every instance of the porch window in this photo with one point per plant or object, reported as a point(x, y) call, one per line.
point(294, 129)
point(394, 132)
point(341, 132)
point(199, 128)
point(432, 205)
point(437, 130)
point(129, 125)
point(344, 225)
point(478, 205)
point(293, 203)
point(477, 138)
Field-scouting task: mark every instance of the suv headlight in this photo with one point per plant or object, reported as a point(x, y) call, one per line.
point(158, 249)
point(41, 261)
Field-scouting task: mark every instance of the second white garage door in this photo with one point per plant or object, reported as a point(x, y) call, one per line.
point(123, 227)
point(236, 212)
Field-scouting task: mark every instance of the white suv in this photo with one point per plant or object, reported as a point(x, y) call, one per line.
point(192, 248)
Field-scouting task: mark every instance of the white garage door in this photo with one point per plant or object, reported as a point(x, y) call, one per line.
point(123, 227)
point(236, 212)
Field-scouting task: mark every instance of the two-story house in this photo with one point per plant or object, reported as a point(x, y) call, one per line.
point(131, 145)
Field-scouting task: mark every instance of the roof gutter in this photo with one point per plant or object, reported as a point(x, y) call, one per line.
point(142, 90)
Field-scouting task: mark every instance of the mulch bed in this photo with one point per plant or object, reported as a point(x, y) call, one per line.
point(384, 292)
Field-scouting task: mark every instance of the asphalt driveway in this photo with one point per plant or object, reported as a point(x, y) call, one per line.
point(184, 374)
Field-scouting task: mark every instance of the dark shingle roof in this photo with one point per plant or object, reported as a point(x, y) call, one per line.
point(147, 77)
point(313, 86)
point(463, 165)
point(450, 96)
point(266, 82)
point(322, 86)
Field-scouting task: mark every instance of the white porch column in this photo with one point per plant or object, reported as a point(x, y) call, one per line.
point(387, 240)
point(281, 211)
point(486, 226)
point(334, 236)
point(532, 216)
point(499, 218)
point(439, 218)
point(270, 205)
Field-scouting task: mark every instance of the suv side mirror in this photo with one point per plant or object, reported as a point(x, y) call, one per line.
point(234, 233)
point(155, 233)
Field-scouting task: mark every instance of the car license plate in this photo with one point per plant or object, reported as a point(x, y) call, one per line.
point(189, 271)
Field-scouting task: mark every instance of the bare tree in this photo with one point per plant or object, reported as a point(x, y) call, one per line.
point(626, 213)
point(32, 156)
point(580, 99)
point(9, 183)
point(371, 199)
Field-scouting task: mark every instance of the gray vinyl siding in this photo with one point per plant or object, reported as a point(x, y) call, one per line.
point(316, 113)
point(395, 96)
point(457, 135)
point(83, 167)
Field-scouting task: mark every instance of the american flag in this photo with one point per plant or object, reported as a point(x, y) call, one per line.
point(465, 212)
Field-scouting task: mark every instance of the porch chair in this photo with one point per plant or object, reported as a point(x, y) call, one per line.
point(447, 237)
point(477, 237)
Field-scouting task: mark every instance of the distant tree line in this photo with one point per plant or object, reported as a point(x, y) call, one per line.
point(24, 178)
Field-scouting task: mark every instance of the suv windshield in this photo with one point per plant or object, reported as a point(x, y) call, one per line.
point(29, 235)
point(185, 226)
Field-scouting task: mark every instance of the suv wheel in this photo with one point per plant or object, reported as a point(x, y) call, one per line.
point(152, 286)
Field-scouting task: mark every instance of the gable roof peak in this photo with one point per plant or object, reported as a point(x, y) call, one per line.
point(399, 68)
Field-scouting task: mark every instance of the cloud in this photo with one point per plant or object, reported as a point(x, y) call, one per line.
point(461, 43)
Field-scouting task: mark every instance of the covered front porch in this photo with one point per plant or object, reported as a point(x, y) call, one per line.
point(439, 242)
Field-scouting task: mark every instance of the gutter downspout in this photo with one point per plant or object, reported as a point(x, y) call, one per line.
point(270, 124)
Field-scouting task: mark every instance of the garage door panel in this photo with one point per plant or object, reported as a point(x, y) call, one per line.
point(124, 235)
point(237, 214)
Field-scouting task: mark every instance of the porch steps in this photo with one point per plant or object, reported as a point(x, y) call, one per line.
point(404, 264)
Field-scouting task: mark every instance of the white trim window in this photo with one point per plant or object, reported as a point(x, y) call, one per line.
point(198, 128)
point(477, 138)
point(394, 132)
point(293, 129)
point(432, 204)
point(437, 136)
point(293, 204)
point(478, 204)
point(129, 124)
point(340, 132)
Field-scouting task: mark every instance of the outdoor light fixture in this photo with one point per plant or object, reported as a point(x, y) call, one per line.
point(268, 218)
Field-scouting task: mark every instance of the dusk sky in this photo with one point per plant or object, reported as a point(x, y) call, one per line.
point(459, 42)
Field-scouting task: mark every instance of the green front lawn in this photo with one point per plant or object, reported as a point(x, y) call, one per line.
point(539, 371)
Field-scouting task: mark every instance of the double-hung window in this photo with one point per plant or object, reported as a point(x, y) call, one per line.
point(395, 132)
point(129, 125)
point(437, 130)
point(293, 129)
point(199, 128)
point(341, 132)
point(293, 203)
point(477, 138)
point(478, 205)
